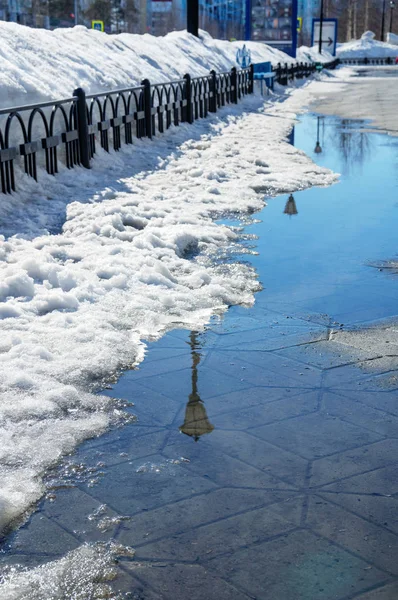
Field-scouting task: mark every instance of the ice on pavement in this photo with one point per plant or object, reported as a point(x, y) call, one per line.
point(82, 574)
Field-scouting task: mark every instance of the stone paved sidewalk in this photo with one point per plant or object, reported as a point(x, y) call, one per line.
point(260, 466)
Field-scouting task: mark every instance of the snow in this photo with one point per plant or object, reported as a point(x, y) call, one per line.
point(38, 64)
point(392, 38)
point(368, 47)
point(76, 305)
point(311, 54)
point(82, 574)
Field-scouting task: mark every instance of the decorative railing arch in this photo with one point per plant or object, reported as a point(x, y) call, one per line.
point(76, 125)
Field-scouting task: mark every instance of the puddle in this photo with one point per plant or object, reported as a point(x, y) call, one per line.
point(242, 476)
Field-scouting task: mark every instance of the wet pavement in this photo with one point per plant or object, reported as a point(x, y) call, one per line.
point(264, 459)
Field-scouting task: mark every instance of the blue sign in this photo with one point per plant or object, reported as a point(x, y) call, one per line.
point(243, 57)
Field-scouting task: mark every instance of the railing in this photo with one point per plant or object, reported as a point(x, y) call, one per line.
point(70, 130)
point(388, 60)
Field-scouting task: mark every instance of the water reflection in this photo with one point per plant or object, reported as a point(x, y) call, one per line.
point(354, 142)
point(196, 422)
point(318, 147)
point(290, 206)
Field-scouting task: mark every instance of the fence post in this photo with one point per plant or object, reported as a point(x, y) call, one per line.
point(234, 85)
point(82, 127)
point(147, 107)
point(251, 79)
point(213, 90)
point(188, 88)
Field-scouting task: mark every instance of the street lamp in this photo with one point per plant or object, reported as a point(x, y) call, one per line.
point(320, 29)
point(382, 21)
point(392, 6)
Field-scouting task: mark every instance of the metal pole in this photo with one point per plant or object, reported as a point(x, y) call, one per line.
point(392, 6)
point(382, 21)
point(193, 17)
point(320, 28)
point(75, 11)
point(248, 20)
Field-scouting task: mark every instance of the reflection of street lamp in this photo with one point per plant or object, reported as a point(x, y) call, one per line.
point(317, 148)
point(392, 6)
point(196, 422)
point(290, 207)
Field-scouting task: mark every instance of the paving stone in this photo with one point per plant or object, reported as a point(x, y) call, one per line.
point(375, 420)
point(123, 445)
point(386, 592)
point(258, 453)
point(380, 399)
point(132, 589)
point(225, 535)
point(298, 565)
point(208, 459)
point(179, 582)
point(352, 462)
point(152, 407)
point(316, 435)
point(237, 401)
point(43, 536)
point(146, 484)
point(178, 517)
point(210, 383)
point(380, 481)
point(325, 355)
point(381, 510)
point(374, 544)
point(84, 524)
point(251, 418)
point(264, 369)
point(166, 364)
point(273, 336)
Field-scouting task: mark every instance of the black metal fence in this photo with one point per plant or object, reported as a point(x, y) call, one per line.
point(70, 130)
point(388, 60)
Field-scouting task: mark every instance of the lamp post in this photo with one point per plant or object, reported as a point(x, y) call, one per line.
point(392, 6)
point(383, 16)
point(193, 17)
point(320, 29)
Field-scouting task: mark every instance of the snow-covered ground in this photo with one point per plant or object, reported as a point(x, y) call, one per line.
point(367, 46)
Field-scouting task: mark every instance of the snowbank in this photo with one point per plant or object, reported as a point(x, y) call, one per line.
point(38, 64)
point(392, 38)
point(307, 54)
point(368, 47)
